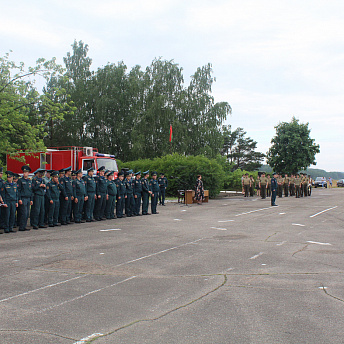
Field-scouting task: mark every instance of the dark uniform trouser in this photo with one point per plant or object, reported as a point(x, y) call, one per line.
point(279, 190)
point(263, 190)
point(23, 213)
point(46, 209)
point(137, 204)
point(110, 207)
point(89, 208)
point(53, 214)
point(154, 203)
point(251, 190)
point(2, 218)
point(10, 216)
point(37, 211)
point(129, 204)
point(292, 189)
point(246, 189)
point(145, 202)
point(305, 191)
point(286, 190)
point(273, 197)
point(78, 208)
point(119, 206)
point(297, 191)
point(66, 207)
point(162, 195)
point(268, 191)
point(99, 208)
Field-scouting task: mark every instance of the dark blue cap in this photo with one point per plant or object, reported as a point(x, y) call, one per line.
point(26, 168)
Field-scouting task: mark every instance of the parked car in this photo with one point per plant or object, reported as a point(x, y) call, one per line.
point(340, 182)
point(320, 181)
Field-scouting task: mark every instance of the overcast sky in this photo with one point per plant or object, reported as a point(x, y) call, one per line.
point(272, 59)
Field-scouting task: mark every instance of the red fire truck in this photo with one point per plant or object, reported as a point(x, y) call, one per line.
point(56, 158)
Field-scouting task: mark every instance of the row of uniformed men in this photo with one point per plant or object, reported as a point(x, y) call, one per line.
point(295, 185)
point(60, 195)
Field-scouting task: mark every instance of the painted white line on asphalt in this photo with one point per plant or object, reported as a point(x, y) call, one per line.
point(220, 229)
point(322, 287)
point(102, 253)
point(298, 224)
point(163, 251)
point(281, 243)
point(263, 264)
point(257, 255)
point(320, 243)
point(84, 295)
point(177, 219)
point(324, 211)
point(252, 211)
point(184, 210)
point(42, 288)
point(86, 339)
point(108, 230)
point(226, 221)
point(282, 213)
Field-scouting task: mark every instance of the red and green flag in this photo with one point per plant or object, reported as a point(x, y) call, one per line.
point(171, 133)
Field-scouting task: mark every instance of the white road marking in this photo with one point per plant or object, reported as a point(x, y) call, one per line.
point(263, 264)
point(320, 243)
point(225, 204)
point(102, 253)
point(184, 210)
point(281, 243)
point(298, 224)
point(220, 229)
point(282, 213)
point(324, 211)
point(163, 251)
point(177, 219)
point(322, 287)
point(253, 211)
point(84, 295)
point(86, 339)
point(42, 288)
point(257, 255)
point(108, 230)
point(226, 221)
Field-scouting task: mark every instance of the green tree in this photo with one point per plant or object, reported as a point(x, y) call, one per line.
point(240, 150)
point(22, 126)
point(292, 148)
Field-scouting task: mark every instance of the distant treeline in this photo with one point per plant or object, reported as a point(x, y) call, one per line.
point(313, 172)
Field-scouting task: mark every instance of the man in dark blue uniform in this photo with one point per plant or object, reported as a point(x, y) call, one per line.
point(274, 186)
point(9, 194)
point(129, 199)
point(101, 191)
point(112, 193)
point(121, 193)
point(53, 191)
point(80, 196)
point(154, 188)
point(162, 185)
point(137, 191)
point(66, 197)
point(25, 198)
point(91, 194)
point(145, 193)
point(37, 209)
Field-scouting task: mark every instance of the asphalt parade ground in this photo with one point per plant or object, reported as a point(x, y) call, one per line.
point(234, 270)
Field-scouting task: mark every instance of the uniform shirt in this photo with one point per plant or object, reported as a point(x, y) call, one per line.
point(305, 181)
point(128, 186)
point(137, 187)
point(263, 180)
point(163, 182)
point(120, 188)
point(292, 180)
point(10, 192)
point(54, 190)
point(273, 184)
point(35, 186)
point(67, 184)
point(154, 186)
point(145, 185)
point(79, 188)
point(24, 188)
point(111, 188)
point(280, 180)
point(91, 186)
point(101, 185)
point(297, 181)
point(246, 181)
point(286, 180)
